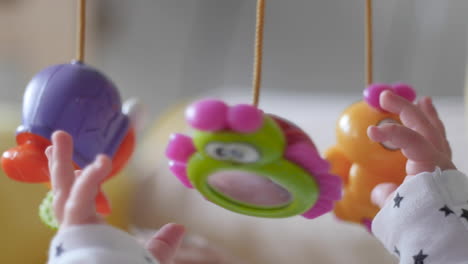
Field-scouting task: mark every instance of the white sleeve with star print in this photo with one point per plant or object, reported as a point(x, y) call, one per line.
point(97, 244)
point(426, 222)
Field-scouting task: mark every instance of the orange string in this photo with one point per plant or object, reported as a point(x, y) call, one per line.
point(81, 31)
point(257, 75)
point(369, 43)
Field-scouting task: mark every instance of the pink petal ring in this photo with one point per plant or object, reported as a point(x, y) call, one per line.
point(180, 148)
point(180, 171)
point(405, 91)
point(245, 118)
point(372, 94)
point(207, 115)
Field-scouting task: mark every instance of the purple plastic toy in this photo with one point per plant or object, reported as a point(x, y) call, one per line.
point(77, 99)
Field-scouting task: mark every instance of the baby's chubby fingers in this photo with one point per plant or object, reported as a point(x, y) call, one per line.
point(412, 117)
point(427, 107)
point(61, 170)
point(414, 146)
point(382, 193)
point(165, 243)
point(80, 207)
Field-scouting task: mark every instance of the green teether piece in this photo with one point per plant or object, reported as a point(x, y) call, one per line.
point(46, 212)
point(266, 147)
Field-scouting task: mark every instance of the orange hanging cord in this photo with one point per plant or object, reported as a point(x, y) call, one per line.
point(257, 74)
point(81, 30)
point(369, 43)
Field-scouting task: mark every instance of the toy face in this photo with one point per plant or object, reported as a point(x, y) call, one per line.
point(353, 140)
point(246, 172)
point(236, 152)
point(261, 147)
point(252, 163)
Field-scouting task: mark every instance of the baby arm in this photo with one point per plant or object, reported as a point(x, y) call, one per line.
point(83, 236)
point(425, 220)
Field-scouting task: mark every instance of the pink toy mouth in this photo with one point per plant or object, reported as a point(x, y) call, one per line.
point(249, 188)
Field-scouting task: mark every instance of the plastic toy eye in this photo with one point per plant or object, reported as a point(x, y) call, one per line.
point(243, 153)
point(388, 145)
point(218, 151)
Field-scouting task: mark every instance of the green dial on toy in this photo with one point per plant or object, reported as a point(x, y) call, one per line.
point(46, 211)
point(251, 158)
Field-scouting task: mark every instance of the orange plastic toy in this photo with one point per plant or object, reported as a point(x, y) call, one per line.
point(28, 163)
point(361, 163)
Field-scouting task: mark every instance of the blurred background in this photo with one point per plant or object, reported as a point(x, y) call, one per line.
point(169, 51)
point(166, 49)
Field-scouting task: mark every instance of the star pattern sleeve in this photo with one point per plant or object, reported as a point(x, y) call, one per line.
point(97, 244)
point(426, 222)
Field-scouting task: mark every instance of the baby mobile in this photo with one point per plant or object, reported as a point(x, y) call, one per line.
point(78, 99)
point(250, 162)
point(361, 163)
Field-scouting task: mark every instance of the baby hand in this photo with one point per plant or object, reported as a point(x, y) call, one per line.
point(421, 138)
point(75, 193)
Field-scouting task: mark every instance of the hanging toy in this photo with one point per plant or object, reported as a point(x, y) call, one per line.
point(250, 162)
point(81, 101)
point(360, 162)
